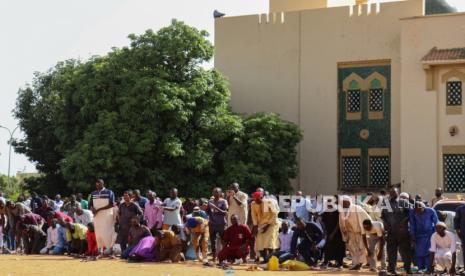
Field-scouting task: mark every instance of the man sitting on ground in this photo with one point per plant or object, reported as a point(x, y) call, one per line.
point(136, 233)
point(285, 239)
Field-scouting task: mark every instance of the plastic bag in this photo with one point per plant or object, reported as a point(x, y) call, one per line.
point(295, 265)
point(273, 264)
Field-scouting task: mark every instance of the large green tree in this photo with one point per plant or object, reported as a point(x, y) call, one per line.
point(149, 116)
point(438, 7)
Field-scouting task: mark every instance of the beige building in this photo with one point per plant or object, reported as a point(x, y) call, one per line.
point(376, 89)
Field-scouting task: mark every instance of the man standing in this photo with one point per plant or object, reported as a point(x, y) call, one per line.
point(139, 199)
point(395, 219)
point(238, 239)
point(301, 206)
point(84, 203)
point(217, 211)
point(443, 249)
point(237, 201)
point(374, 231)
point(335, 248)
point(3, 221)
point(459, 225)
point(153, 212)
point(265, 224)
point(70, 207)
point(127, 210)
point(58, 203)
point(101, 204)
point(438, 196)
point(422, 226)
point(351, 219)
point(36, 202)
point(172, 210)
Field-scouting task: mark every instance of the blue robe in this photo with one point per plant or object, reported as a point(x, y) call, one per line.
point(422, 227)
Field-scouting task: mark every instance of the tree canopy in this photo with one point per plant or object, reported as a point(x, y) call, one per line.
point(150, 116)
point(438, 6)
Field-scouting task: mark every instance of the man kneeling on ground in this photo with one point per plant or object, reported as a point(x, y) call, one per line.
point(238, 238)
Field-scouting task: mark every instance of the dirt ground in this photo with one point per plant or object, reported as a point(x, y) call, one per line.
point(12, 265)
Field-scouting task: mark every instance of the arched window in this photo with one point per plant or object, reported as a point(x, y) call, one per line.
point(377, 87)
point(353, 97)
point(376, 97)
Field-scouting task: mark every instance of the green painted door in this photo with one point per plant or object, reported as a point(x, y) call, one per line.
point(364, 114)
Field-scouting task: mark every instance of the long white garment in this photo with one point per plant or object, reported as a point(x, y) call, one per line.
point(450, 225)
point(240, 210)
point(443, 247)
point(351, 224)
point(104, 223)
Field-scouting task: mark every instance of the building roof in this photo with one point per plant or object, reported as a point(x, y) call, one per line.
point(450, 54)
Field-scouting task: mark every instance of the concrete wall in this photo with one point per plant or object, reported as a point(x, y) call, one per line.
point(424, 123)
point(289, 66)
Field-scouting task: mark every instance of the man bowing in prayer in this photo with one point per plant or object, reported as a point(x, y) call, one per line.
point(351, 219)
point(101, 203)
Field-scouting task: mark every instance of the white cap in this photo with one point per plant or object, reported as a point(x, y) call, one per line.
point(441, 224)
point(404, 194)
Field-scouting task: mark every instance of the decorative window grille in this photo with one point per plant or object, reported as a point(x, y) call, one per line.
point(353, 101)
point(376, 100)
point(351, 171)
point(379, 171)
point(454, 93)
point(454, 172)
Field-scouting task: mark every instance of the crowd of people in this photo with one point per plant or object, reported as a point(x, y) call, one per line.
point(232, 228)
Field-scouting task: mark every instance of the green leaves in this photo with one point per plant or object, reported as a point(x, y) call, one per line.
point(148, 116)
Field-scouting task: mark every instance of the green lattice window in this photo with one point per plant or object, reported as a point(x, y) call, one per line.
point(454, 93)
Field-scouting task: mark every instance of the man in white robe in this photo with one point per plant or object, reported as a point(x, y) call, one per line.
point(351, 219)
point(238, 205)
point(443, 249)
point(102, 204)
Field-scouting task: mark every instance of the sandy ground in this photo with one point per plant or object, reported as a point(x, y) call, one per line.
point(12, 265)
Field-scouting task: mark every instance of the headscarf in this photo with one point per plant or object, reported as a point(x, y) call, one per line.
point(191, 223)
point(257, 195)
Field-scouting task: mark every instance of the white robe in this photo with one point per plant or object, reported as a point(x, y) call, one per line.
point(351, 225)
point(104, 224)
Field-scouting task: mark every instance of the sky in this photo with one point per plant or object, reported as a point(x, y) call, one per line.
point(37, 34)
